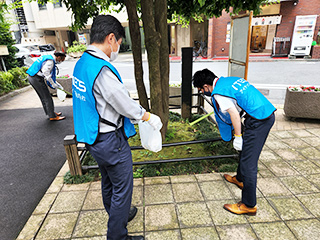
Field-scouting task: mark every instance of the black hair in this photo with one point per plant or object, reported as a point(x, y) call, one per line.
point(203, 77)
point(102, 26)
point(60, 54)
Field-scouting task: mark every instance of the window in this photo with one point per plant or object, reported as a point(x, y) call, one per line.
point(57, 4)
point(42, 6)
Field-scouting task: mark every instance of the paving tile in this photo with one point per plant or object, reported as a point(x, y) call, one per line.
point(93, 201)
point(301, 133)
point(156, 180)
point(31, 227)
point(282, 134)
point(215, 190)
point(137, 196)
point(314, 131)
point(193, 215)
point(289, 154)
point(265, 213)
point(155, 194)
point(183, 178)
point(290, 208)
point(266, 156)
point(239, 232)
point(237, 192)
point(315, 179)
point(305, 229)
point(221, 216)
point(58, 226)
point(45, 203)
point(205, 233)
point(272, 231)
point(281, 168)
point(263, 171)
point(91, 238)
point(276, 144)
point(186, 192)
point(68, 202)
point(95, 185)
point(299, 184)
point(63, 170)
point(136, 225)
point(310, 153)
point(208, 177)
point(312, 202)
point(312, 141)
point(160, 217)
point(305, 167)
point(56, 185)
point(137, 182)
point(163, 235)
point(272, 187)
point(296, 143)
point(91, 223)
point(76, 187)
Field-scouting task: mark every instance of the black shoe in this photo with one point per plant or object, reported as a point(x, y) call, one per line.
point(135, 237)
point(132, 213)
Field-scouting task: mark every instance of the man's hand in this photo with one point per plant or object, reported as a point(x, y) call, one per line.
point(154, 121)
point(57, 85)
point(237, 142)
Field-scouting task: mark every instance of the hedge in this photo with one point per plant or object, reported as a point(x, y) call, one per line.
point(13, 79)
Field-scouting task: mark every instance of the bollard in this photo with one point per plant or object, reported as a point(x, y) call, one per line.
point(186, 86)
point(70, 145)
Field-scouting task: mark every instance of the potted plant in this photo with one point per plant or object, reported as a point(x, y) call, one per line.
point(302, 102)
point(76, 50)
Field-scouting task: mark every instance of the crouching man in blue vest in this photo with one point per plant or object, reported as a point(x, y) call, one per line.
point(234, 98)
point(103, 114)
point(42, 73)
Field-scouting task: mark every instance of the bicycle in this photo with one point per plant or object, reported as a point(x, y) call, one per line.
point(200, 48)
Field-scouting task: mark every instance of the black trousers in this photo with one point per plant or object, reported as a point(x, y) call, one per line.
point(38, 83)
point(113, 155)
point(254, 137)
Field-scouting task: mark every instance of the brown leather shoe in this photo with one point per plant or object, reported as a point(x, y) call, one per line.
point(233, 180)
point(58, 113)
point(240, 208)
point(57, 118)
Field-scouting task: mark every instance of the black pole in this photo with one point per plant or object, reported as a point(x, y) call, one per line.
point(186, 86)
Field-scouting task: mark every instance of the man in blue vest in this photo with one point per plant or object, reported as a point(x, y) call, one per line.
point(103, 113)
point(42, 73)
point(234, 98)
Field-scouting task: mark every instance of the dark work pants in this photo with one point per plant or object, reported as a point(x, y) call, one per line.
point(113, 155)
point(38, 83)
point(254, 136)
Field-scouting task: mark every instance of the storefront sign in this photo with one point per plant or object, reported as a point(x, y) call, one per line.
point(3, 50)
point(260, 21)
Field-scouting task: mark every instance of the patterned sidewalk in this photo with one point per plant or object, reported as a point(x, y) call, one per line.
point(191, 206)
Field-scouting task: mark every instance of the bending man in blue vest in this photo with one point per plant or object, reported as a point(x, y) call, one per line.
point(42, 73)
point(103, 112)
point(234, 98)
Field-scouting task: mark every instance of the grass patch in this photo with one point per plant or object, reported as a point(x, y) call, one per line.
point(179, 130)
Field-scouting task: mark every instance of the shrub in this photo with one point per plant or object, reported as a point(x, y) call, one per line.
point(6, 84)
point(19, 77)
point(77, 47)
point(13, 79)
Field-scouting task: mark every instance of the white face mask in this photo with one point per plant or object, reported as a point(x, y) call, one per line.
point(114, 55)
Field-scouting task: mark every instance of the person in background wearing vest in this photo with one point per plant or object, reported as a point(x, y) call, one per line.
point(42, 73)
point(234, 98)
point(104, 114)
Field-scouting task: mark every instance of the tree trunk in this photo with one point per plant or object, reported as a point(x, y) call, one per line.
point(134, 28)
point(152, 38)
point(162, 28)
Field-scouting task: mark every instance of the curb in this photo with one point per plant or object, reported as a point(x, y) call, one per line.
point(15, 93)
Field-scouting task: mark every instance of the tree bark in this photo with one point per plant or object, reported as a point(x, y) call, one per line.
point(131, 6)
point(152, 38)
point(162, 28)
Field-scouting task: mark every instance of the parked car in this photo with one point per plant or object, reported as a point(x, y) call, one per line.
point(27, 54)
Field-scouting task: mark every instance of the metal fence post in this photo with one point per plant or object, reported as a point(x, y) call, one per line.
point(70, 145)
point(186, 86)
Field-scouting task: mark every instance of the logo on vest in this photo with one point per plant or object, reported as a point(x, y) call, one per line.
point(78, 84)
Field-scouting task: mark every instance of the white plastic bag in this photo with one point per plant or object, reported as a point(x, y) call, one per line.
point(61, 94)
point(150, 138)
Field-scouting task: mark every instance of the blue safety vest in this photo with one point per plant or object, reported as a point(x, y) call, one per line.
point(37, 65)
point(248, 98)
point(85, 114)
